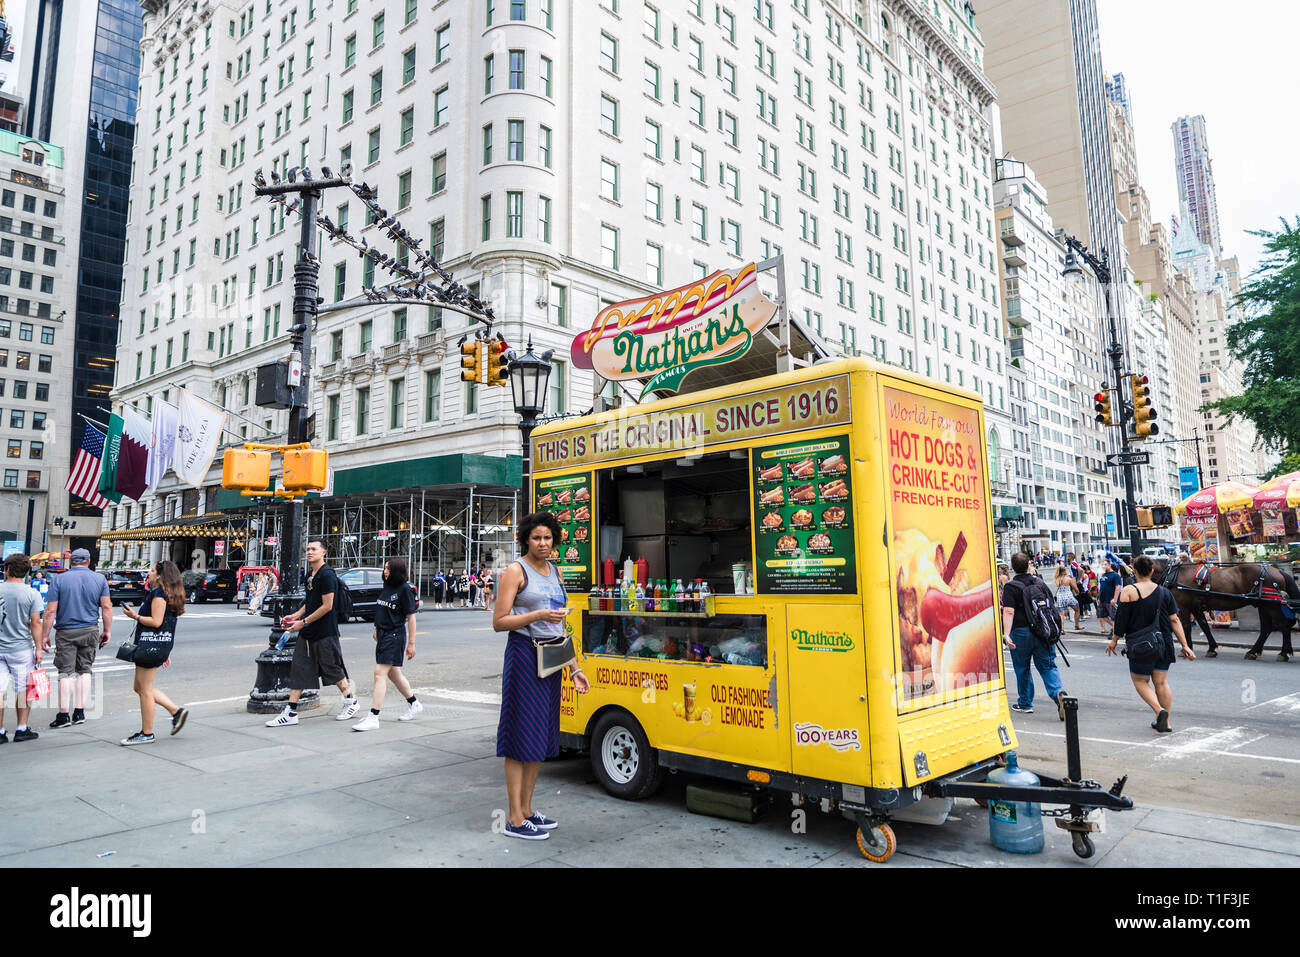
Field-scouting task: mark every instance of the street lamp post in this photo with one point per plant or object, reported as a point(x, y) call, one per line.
point(529, 376)
point(1100, 267)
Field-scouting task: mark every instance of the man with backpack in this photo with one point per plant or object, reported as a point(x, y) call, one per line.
point(1030, 629)
point(317, 654)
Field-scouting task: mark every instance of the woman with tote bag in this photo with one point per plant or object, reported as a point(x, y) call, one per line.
point(155, 633)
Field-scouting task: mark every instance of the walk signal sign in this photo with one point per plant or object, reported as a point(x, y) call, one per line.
point(497, 361)
point(471, 362)
point(1101, 404)
point(1144, 414)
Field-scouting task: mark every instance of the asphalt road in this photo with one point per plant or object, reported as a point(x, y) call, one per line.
point(1235, 749)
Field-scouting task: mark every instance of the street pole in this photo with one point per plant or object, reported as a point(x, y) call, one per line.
point(271, 691)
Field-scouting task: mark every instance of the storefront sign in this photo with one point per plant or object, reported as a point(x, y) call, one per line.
point(942, 567)
point(568, 498)
point(803, 515)
point(664, 336)
point(218, 548)
point(382, 533)
point(807, 405)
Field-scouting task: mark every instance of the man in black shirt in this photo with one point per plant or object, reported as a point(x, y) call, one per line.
point(1026, 650)
point(318, 654)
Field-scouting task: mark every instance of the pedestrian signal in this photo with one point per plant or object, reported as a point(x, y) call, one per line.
point(245, 469)
point(306, 469)
point(1162, 516)
point(497, 361)
point(1143, 413)
point(1101, 403)
point(471, 361)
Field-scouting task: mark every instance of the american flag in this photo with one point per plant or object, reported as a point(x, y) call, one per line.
point(84, 478)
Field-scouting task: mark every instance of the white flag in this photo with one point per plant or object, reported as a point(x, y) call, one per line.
point(162, 442)
point(198, 431)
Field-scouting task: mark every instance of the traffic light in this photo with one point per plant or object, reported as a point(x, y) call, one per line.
point(246, 469)
point(497, 361)
point(471, 361)
point(1101, 403)
point(1143, 414)
point(306, 469)
point(1162, 516)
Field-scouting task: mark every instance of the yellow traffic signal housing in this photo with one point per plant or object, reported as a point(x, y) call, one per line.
point(1143, 414)
point(306, 469)
point(1144, 518)
point(471, 362)
point(1101, 404)
point(497, 362)
point(246, 469)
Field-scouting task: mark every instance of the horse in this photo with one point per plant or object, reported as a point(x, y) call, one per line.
point(1238, 581)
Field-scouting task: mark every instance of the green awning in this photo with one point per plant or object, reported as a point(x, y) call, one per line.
point(429, 472)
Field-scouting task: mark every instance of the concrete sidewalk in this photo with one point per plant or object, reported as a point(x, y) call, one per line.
point(229, 791)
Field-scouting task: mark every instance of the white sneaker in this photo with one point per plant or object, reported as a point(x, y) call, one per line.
point(369, 723)
point(350, 707)
point(411, 711)
point(285, 718)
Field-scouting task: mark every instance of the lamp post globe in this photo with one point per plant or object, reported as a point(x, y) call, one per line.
point(529, 376)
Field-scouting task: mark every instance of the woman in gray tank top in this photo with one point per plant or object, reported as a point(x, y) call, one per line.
point(529, 731)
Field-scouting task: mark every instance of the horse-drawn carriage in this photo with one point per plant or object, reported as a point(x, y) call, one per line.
point(1199, 587)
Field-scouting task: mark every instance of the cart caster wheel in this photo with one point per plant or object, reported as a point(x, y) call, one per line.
point(878, 843)
point(1083, 845)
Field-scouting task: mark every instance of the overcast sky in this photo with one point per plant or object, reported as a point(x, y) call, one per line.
point(1236, 65)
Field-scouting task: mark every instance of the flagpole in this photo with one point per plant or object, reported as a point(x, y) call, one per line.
point(228, 411)
point(149, 417)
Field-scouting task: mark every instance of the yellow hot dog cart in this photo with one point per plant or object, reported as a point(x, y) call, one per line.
point(848, 649)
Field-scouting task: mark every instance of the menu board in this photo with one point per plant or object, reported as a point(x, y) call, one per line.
point(1203, 537)
point(803, 519)
point(568, 498)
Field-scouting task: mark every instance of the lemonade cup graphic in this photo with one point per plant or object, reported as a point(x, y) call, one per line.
point(688, 699)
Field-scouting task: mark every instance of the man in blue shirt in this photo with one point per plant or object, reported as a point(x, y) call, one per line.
point(1107, 586)
point(77, 604)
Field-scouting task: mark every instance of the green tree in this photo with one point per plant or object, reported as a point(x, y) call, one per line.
point(1267, 343)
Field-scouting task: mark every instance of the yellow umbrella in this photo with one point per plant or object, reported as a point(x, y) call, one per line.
point(1280, 492)
point(1217, 499)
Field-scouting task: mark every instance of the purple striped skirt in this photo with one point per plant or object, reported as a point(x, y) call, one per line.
point(529, 729)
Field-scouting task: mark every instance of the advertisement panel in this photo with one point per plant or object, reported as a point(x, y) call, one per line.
point(568, 498)
point(1187, 480)
point(803, 515)
point(934, 483)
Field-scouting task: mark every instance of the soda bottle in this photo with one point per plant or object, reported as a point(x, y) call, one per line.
point(704, 594)
point(679, 597)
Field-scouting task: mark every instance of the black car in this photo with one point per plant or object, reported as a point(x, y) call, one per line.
point(125, 586)
point(364, 583)
point(217, 584)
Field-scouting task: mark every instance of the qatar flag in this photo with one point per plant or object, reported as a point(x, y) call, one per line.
point(133, 457)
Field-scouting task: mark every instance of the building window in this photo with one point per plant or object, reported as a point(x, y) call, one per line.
point(485, 211)
point(544, 146)
point(654, 264)
point(557, 387)
point(515, 141)
point(487, 145)
point(558, 305)
point(440, 99)
point(545, 73)
point(516, 69)
point(544, 219)
point(608, 115)
point(399, 325)
point(609, 180)
point(432, 395)
point(608, 246)
point(440, 172)
point(514, 214)
point(396, 404)
point(363, 411)
point(332, 419)
point(408, 126)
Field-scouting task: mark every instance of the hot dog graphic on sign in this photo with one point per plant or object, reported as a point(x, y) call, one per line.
point(942, 566)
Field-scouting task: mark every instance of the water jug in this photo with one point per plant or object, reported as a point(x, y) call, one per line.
point(1015, 826)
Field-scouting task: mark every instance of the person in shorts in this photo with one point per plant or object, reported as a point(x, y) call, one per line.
point(77, 605)
point(318, 656)
point(1109, 583)
point(20, 642)
point(394, 637)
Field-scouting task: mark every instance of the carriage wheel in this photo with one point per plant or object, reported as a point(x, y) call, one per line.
point(877, 843)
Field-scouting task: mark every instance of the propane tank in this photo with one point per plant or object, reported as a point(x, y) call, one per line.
point(1015, 826)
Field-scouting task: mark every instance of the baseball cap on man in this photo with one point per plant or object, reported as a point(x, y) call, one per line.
point(80, 555)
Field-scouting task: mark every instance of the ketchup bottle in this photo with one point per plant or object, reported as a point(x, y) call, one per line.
point(607, 572)
point(642, 571)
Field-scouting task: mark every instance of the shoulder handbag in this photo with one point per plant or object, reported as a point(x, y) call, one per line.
point(553, 654)
point(150, 647)
point(1145, 644)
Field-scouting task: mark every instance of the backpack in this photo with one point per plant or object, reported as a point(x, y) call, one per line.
point(1040, 610)
point(343, 602)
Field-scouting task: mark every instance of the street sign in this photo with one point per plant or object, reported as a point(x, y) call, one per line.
point(1116, 459)
point(382, 533)
point(1110, 523)
point(218, 548)
point(1188, 480)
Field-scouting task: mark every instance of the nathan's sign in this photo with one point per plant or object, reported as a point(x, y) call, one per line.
point(616, 435)
point(664, 336)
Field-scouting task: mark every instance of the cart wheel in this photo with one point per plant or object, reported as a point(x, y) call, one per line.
point(1083, 844)
point(621, 756)
point(877, 843)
